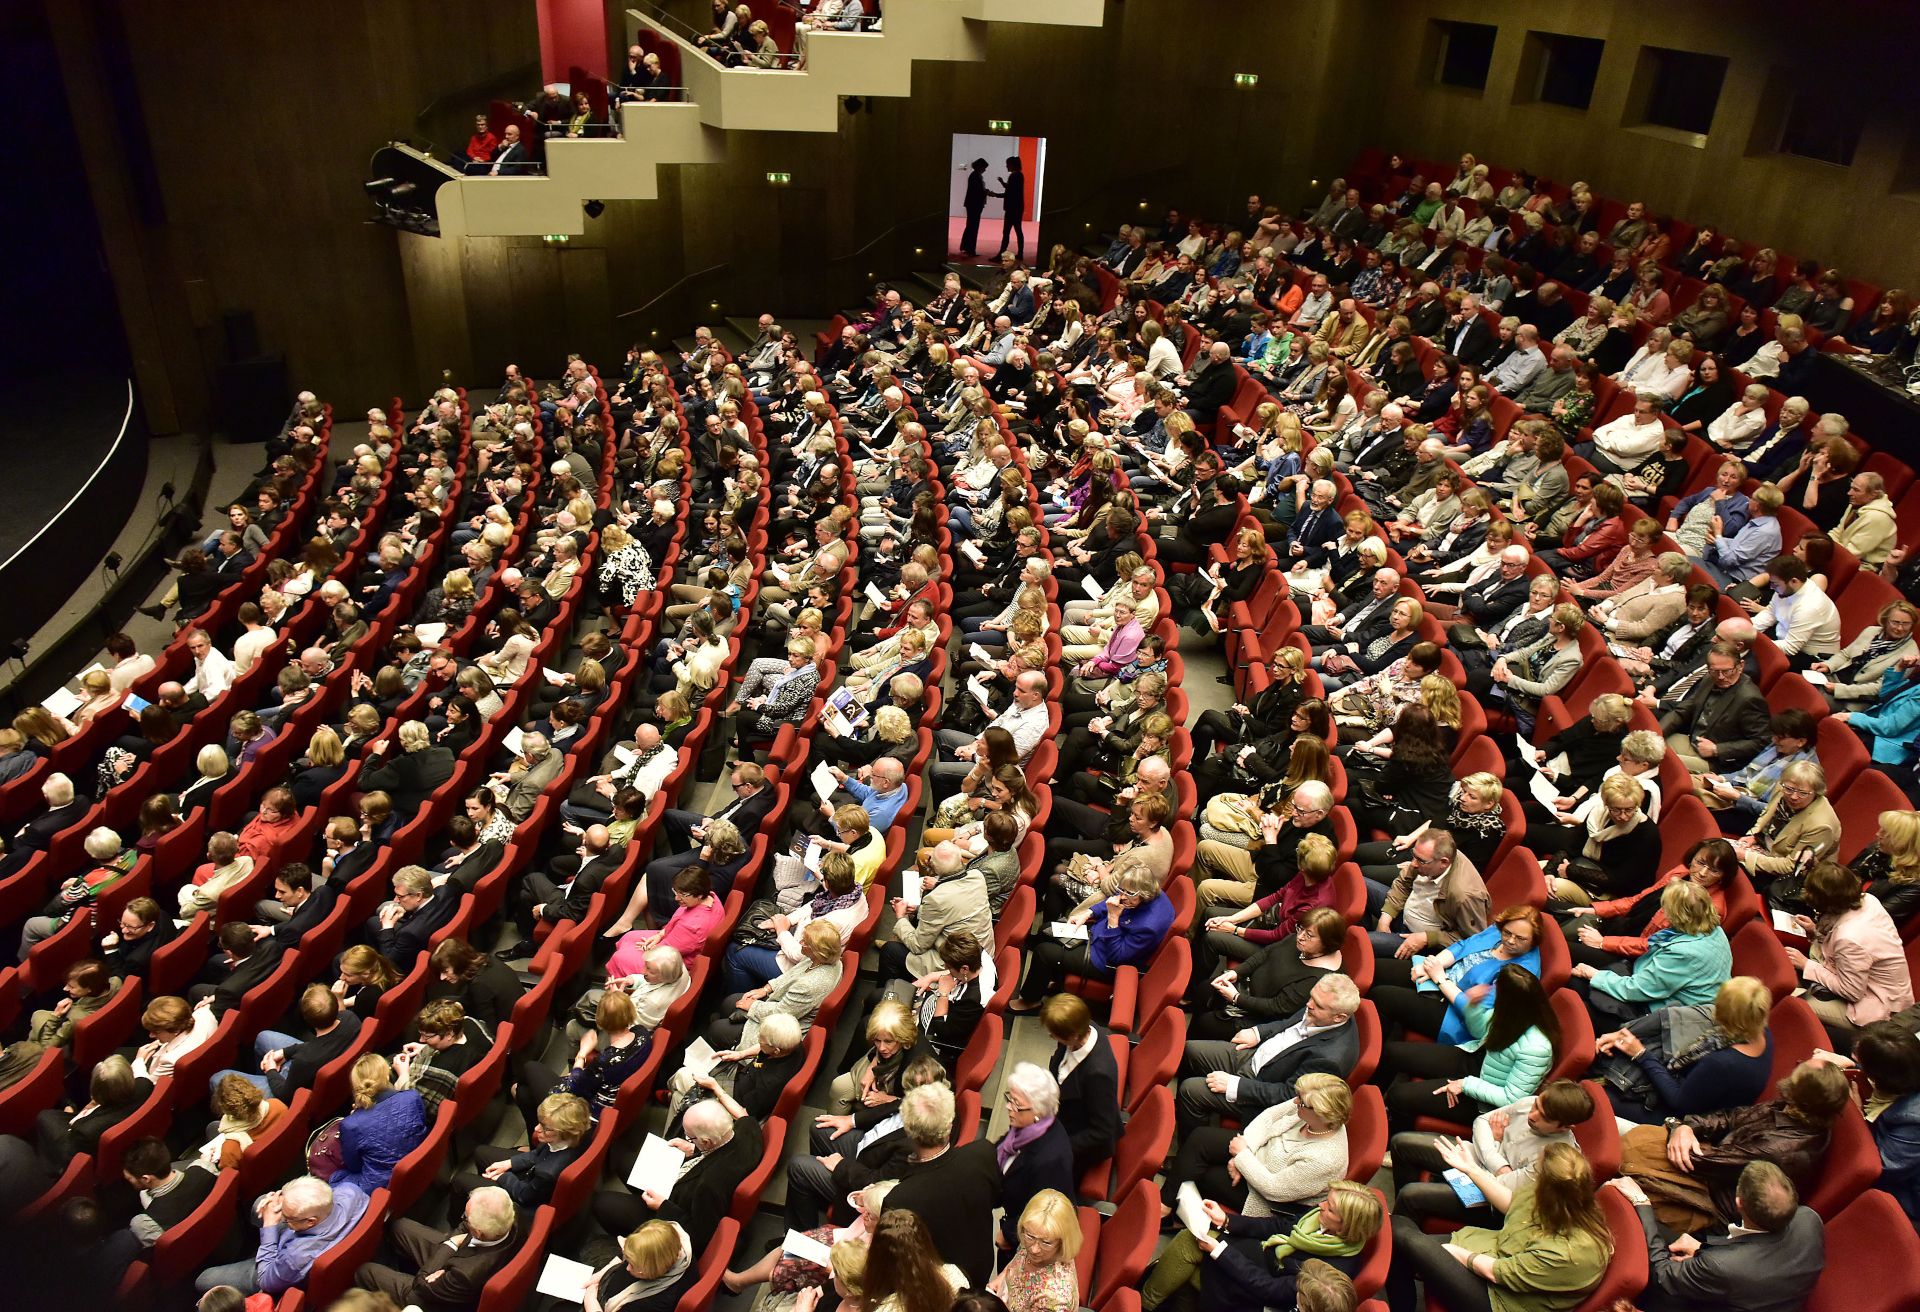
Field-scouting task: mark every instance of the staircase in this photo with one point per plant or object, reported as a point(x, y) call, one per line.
point(721, 99)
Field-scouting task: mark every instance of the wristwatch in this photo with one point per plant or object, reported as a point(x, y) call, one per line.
point(1672, 1123)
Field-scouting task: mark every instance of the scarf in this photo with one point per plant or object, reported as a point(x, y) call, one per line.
point(640, 1289)
point(1309, 1240)
point(1875, 650)
point(1599, 831)
point(1017, 1138)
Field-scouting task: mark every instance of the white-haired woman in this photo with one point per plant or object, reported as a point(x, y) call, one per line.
point(1035, 1154)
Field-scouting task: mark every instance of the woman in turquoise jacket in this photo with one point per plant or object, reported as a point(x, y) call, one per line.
point(1507, 1057)
point(1684, 965)
point(1893, 725)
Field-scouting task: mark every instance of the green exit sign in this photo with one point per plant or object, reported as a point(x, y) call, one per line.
point(779, 179)
point(1000, 125)
point(1246, 79)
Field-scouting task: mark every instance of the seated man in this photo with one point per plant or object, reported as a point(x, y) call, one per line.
point(1506, 1143)
point(1721, 722)
point(721, 1152)
point(1770, 1258)
point(298, 1222)
point(953, 899)
point(449, 1268)
point(287, 1063)
point(400, 929)
point(168, 1193)
point(1256, 1069)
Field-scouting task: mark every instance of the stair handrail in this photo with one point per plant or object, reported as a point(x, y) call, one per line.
point(672, 288)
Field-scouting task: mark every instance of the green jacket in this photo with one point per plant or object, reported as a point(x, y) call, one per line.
point(1679, 970)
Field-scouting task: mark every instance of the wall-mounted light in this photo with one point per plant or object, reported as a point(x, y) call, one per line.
point(1143, 205)
point(779, 179)
point(918, 251)
point(555, 239)
point(999, 125)
point(1246, 79)
point(713, 306)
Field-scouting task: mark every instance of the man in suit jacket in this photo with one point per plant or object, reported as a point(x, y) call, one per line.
point(1768, 1262)
point(724, 1151)
point(1721, 723)
point(300, 903)
point(752, 800)
point(244, 961)
point(1317, 527)
point(954, 1190)
point(399, 930)
point(1466, 336)
point(450, 1268)
point(1257, 1068)
point(1208, 527)
point(63, 811)
point(1089, 1079)
point(539, 765)
point(564, 892)
point(345, 855)
point(1496, 596)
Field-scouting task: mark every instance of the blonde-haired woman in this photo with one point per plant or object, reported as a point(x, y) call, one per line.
point(789, 1277)
point(798, 991)
point(1287, 1156)
point(654, 1268)
point(385, 1125)
point(1260, 1263)
point(874, 1079)
point(1042, 1275)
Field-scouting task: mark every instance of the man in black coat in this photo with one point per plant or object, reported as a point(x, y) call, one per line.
point(1256, 1069)
point(1089, 1079)
point(63, 811)
point(1207, 527)
point(953, 1190)
point(399, 930)
point(1360, 623)
point(1211, 386)
point(974, 204)
point(299, 905)
point(725, 1152)
point(565, 890)
point(127, 952)
point(243, 962)
point(1495, 596)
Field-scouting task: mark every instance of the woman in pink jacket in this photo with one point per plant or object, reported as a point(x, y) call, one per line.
point(1857, 973)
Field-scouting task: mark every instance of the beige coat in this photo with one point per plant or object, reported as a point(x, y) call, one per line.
point(1870, 532)
point(1641, 616)
point(1816, 826)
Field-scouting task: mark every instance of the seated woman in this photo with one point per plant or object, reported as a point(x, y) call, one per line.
point(1374, 702)
point(790, 1276)
point(797, 991)
point(654, 1269)
point(607, 1054)
point(1683, 965)
point(1617, 930)
point(1855, 966)
point(745, 1081)
point(384, 1126)
point(174, 1030)
point(1553, 1246)
point(1042, 1275)
point(1887, 1056)
point(1035, 1157)
point(508, 661)
point(1406, 990)
point(769, 942)
point(1124, 928)
point(1473, 817)
point(224, 868)
point(1689, 1167)
point(1415, 783)
point(1275, 917)
point(1276, 1167)
point(1611, 849)
point(88, 988)
point(696, 911)
point(1506, 1058)
point(1262, 1262)
point(1271, 983)
point(869, 1089)
point(114, 1093)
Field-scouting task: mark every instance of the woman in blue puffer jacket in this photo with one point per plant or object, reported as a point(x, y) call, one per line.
point(385, 1125)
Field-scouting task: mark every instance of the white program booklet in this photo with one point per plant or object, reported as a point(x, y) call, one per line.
point(823, 781)
point(807, 1249)
point(699, 1058)
point(624, 755)
point(512, 740)
point(564, 1278)
point(430, 634)
point(1186, 1204)
point(876, 596)
point(1544, 792)
point(62, 702)
point(1092, 587)
point(973, 553)
point(981, 654)
point(910, 886)
point(657, 1168)
point(1066, 931)
point(1815, 678)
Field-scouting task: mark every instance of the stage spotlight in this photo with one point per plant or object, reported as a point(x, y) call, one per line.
point(402, 190)
point(166, 490)
point(595, 208)
point(378, 186)
point(112, 563)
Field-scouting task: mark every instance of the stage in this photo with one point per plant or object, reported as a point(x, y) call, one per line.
point(989, 249)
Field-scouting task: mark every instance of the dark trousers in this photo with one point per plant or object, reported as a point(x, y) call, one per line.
point(1414, 1074)
point(1053, 961)
point(1211, 728)
point(1203, 1160)
point(1415, 1156)
point(1012, 230)
point(1420, 1256)
point(970, 234)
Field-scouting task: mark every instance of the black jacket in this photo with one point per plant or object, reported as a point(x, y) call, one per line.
point(288, 933)
point(1210, 389)
point(701, 1199)
point(409, 777)
point(1495, 597)
point(1090, 1102)
point(1046, 1163)
point(955, 1195)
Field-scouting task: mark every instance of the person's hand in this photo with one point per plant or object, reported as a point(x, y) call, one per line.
point(1080, 917)
point(1216, 1214)
point(1797, 957)
point(1584, 971)
point(1410, 943)
point(271, 1211)
point(653, 1200)
point(1681, 1146)
point(1628, 1045)
point(63, 1006)
point(1454, 1152)
point(1451, 1091)
point(837, 1124)
point(684, 1147)
point(1220, 923)
point(1233, 1173)
point(1589, 935)
point(1629, 1189)
point(1461, 1255)
point(495, 1171)
point(1497, 1122)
